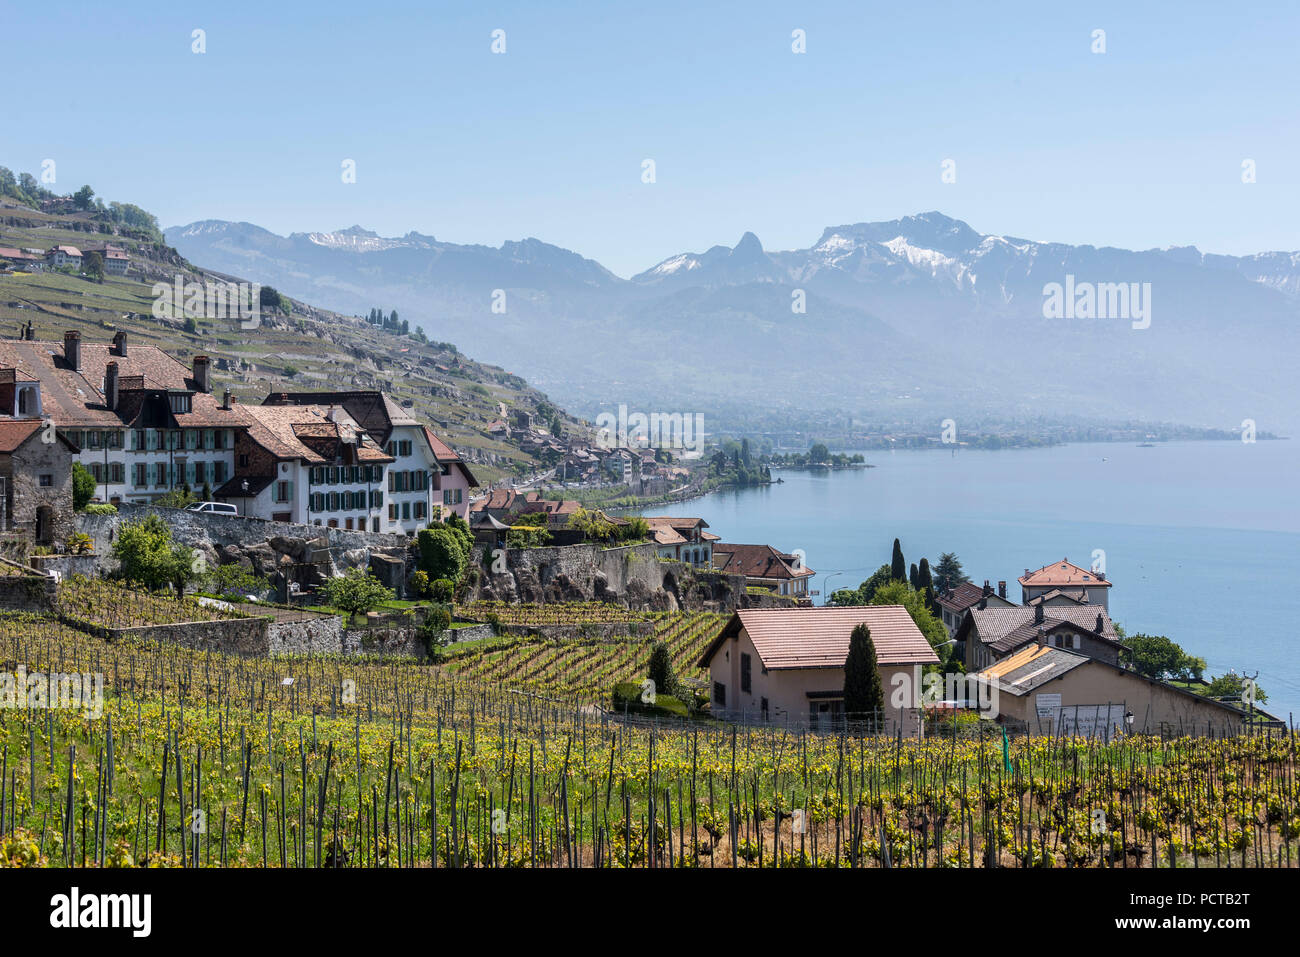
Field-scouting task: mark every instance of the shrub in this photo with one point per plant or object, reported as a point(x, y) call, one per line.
point(100, 508)
point(442, 554)
point(420, 582)
point(356, 592)
point(146, 554)
point(660, 669)
point(83, 486)
point(79, 543)
point(443, 590)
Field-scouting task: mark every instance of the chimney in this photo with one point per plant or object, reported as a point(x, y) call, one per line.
point(119, 343)
point(1002, 590)
point(1038, 613)
point(988, 589)
point(30, 333)
point(1042, 637)
point(984, 603)
point(1098, 628)
point(202, 374)
point(1026, 572)
point(110, 385)
point(225, 400)
point(72, 348)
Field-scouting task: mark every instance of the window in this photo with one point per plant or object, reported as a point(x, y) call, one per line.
point(376, 498)
point(116, 472)
point(141, 475)
point(719, 693)
point(406, 511)
point(392, 512)
point(200, 472)
point(744, 672)
point(283, 491)
point(47, 480)
point(180, 401)
point(218, 471)
point(763, 707)
point(243, 460)
point(419, 510)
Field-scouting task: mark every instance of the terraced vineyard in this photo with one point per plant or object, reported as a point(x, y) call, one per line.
point(197, 759)
point(587, 669)
point(558, 613)
point(110, 604)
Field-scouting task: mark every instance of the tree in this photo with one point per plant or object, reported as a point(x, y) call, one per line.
point(948, 574)
point(863, 692)
point(660, 670)
point(356, 592)
point(901, 593)
point(83, 486)
point(1155, 656)
point(270, 297)
point(863, 594)
point(898, 565)
point(83, 196)
point(147, 555)
point(442, 554)
point(93, 265)
point(818, 454)
point(1231, 685)
point(913, 576)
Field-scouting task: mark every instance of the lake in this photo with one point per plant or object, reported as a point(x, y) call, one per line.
point(1199, 537)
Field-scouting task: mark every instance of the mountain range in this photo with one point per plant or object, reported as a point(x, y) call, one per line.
point(909, 321)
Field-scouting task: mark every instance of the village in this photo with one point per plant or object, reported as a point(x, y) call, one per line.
point(309, 494)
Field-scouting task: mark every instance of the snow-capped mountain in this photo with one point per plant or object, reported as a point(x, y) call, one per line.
point(922, 316)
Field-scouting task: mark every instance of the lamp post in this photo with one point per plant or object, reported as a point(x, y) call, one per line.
point(244, 488)
point(826, 581)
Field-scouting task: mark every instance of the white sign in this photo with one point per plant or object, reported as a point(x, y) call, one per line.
point(1090, 719)
point(1047, 705)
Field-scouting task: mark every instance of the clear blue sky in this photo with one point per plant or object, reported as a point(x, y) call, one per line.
point(1139, 147)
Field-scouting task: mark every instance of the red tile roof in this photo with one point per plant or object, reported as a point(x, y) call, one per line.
point(14, 434)
point(1063, 574)
point(757, 561)
point(791, 638)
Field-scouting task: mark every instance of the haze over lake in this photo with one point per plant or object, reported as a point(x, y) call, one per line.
point(1200, 538)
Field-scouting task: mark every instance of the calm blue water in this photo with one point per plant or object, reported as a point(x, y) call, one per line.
point(1201, 539)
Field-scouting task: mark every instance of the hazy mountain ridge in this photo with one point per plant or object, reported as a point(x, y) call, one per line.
point(919, 317)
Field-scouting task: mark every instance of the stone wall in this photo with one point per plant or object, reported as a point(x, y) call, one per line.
point(65, 565)
point(310, 636)
point(632, 576)
point(28, 592)
point(235, 636)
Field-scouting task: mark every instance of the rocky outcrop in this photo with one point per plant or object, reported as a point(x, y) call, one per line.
point(633, 577)
point(306, 554)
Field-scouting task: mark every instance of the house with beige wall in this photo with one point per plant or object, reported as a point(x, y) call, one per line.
point(1045, 690)
point(1066, 578)
point(786, 665)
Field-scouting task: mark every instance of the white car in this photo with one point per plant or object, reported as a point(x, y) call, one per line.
point(220, 508)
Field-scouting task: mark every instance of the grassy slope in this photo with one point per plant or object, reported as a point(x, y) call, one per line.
point(328, 350)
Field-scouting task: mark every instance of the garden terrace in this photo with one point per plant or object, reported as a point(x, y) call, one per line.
point(103, 603)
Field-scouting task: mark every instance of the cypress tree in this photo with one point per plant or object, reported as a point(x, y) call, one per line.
point(914, 577)
point(864, 695)
point(898, 566)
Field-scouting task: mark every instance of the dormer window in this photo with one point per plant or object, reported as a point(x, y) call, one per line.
point(180, 402)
